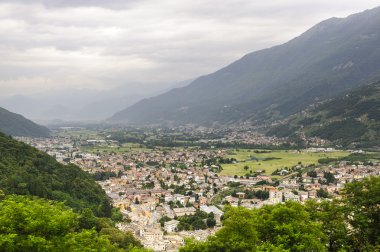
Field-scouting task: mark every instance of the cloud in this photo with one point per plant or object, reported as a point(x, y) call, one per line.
point(48, 44)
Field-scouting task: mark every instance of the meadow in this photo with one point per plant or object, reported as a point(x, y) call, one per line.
point(273, 160)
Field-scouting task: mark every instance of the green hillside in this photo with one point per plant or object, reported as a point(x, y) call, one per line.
point(26, 171)
point(351, 119)
point(331, 57)
point(17, 125)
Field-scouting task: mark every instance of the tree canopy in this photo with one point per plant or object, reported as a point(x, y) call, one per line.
point(350, 223)
point(34, 224)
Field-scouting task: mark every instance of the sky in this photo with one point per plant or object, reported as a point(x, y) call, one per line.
point(101, 44)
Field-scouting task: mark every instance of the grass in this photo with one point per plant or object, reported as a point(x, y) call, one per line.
point(84, 134)
point(276, 159)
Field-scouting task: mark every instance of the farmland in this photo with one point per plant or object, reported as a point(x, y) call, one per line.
point(272, 160)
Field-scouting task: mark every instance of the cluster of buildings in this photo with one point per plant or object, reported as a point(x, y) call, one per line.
point(149, 186)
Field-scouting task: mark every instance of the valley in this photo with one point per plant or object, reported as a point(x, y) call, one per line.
point(189, 126)
point(154, 185)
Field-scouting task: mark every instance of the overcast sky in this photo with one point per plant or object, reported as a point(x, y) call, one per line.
point(99, 44)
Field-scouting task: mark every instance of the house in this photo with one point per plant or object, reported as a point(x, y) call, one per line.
point(184, 211)
point(151, 234)
point(291, 196)
point(171, 226)
point(240, 195)
point(213, 209)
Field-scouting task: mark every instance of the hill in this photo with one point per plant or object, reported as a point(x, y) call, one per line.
point(329, 58)
point(26, 171)
point(349, 119)
point(17, 125)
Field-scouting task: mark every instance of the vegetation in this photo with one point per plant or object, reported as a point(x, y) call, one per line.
point(351, 119)
point(348, 224)
point(200, 220)
point(27, 171)
point(352, 158)
point(34, 224)
point(275, 160)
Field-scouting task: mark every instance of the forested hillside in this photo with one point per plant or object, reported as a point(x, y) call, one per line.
point(26, 171)
point(17, 125)
point(351, 119)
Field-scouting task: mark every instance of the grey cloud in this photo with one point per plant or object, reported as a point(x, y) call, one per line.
point(44, 44)
point(112, 4)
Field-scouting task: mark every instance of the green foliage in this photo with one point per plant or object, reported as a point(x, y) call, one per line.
point(34, 224)
point(362, 200)
point(193, 222)
point(352, 158)
point(286, 227)
point(347, 131)
point(351, 223)
point(348, 224)
point(322, 193)
point(353, 117)
point(163, 220)
point(27, 171)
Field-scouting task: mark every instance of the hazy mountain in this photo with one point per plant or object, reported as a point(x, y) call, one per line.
point(350, 118)
point(329, 58)
point(82, 104)
point(17, 125)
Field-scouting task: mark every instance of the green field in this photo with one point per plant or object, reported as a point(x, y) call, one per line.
point(281, 159)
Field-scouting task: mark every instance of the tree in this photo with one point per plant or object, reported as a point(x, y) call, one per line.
point(361, 208)
point(322, 193)
point(331, 216)
point(282, 227)
point(34, 224)
point(211, 222)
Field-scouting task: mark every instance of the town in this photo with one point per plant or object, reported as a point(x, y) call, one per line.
point(167, 194)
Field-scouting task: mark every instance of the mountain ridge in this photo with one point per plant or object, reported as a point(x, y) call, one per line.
point(17, 125)
point(329, 58)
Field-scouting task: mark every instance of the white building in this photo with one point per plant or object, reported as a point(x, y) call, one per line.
point(171, 226)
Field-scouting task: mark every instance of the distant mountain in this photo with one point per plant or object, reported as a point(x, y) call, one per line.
point(328, 59)
point(17, 125)
point(69, 104)
point(351, 119)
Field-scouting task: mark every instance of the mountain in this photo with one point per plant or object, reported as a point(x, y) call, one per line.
point(329, 58)
point(352, 118)
point(17, 125)
point(27, 171)
point(70, 104)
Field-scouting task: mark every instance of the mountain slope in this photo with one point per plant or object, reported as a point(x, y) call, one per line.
point(329, 58)
point(26, 171)
point(349, 119)
point(17, 125)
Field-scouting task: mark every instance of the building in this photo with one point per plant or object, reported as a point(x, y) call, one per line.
point(184, 211)
point(171, 226)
